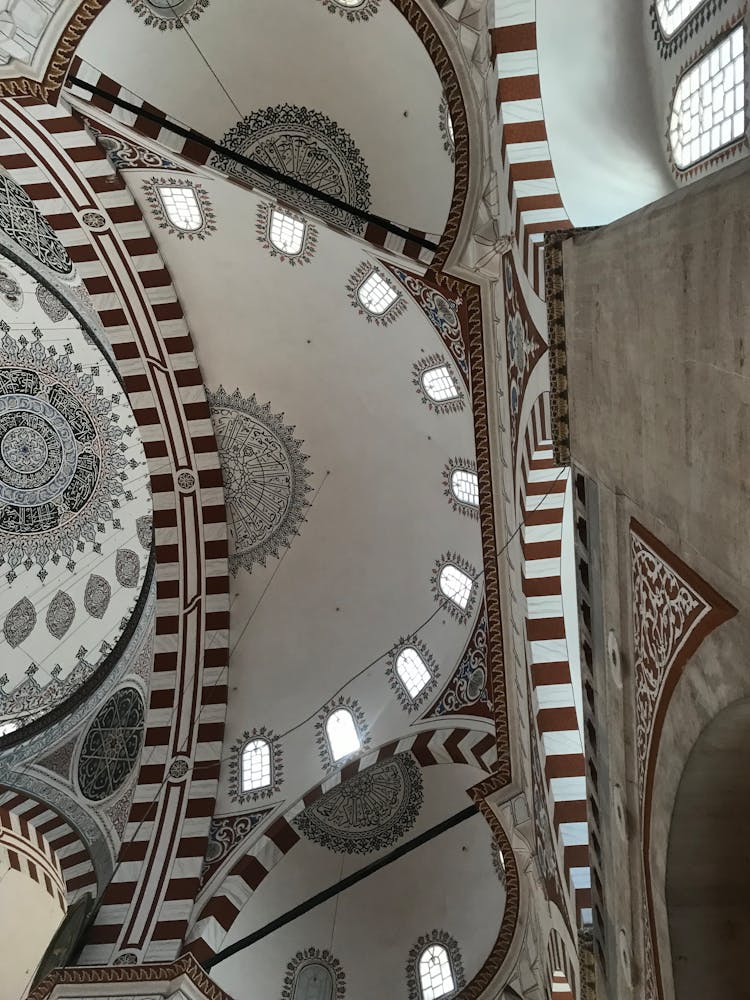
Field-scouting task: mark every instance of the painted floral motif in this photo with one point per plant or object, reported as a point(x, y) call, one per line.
point(665, 612)
point(236, 792)
point(225, 834)
point(168, 16)
point(53, 307)
point(60, 614)
point(144, 529)
point(467, 692)
point(127, 155)
point(368, 812)
point(265, 478)
point(19, 622)
point(307, 146)
point(362, 11)
point(62, 467)
point(112, 745)
point(360, 722)
point(159, 212)
point(442, 312)
point(23, 222)
point(97, 595)
point(10, 291)
point(127, 568)
point(524, 345)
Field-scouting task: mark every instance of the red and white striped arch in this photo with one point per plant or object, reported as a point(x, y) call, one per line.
point(560, 970)
point(533, 194)
point(543, 491)
point(234, 887)
point(45, 847)
point(146, 906)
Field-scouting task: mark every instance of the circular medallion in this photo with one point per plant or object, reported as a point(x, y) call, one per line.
point(264, 474)
point(22, 221)
point(368, 812)
point(308, 146)
point(94, 220)
point(112, 745)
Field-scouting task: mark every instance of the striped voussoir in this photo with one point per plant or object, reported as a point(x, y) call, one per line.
point(533, 195)
point(197, 153)
point(235, 883)
point(542, 498)
point(561, 969)
point(44, 846)
point(146, 906)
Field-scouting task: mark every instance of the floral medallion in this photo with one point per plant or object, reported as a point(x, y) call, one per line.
point(353, 10)
point(265, 477)
point(168, 16)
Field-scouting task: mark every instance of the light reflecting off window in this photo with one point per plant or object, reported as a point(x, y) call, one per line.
point(8, 727)
point(343, 738)
point(256, 765)
point(435, 973)
point(182, 208)
point(674, 13)
point(375, 294)
point(465, 486)
point(439, 384)
point(455, 585)
point(286, 232)
point(449, 126)
point(708, 110)
point(350, 3)
point(412, 670)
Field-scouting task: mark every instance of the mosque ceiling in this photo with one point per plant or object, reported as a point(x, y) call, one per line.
point(75, 508)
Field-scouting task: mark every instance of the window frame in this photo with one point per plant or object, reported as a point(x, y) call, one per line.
point(338, 710)
point(268, 785)
point(418, 695)
point(463, 608)
point(670, 36)
point(465, 470)
point(375, 273)
point(295, 218)
point(445, 399)
point(176, 225)
point(705, 55)
point(428, 947)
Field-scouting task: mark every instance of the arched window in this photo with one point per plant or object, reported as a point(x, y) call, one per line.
point(455, 585)
point(286, 232)
point(342, 735)
point(375, 294)
point(412, 671)
point(8, 727)
point(465, 486)
point(708, 110)
point(256, 765)
point(350, 3)
point(314, 982)
point(435, 973)
point(181, 206)
point(672, 14)
point(439, 384)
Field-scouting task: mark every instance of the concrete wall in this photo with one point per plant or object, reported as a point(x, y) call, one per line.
point(657, 311)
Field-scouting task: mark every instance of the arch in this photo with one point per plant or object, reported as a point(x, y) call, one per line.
point(151, 342)
point(708, 866)
point(542, 500)
point(561, 972)
point(43, 839)
point(342, 734)
point(234, 884)
point(256, 764)
point(455, 82)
